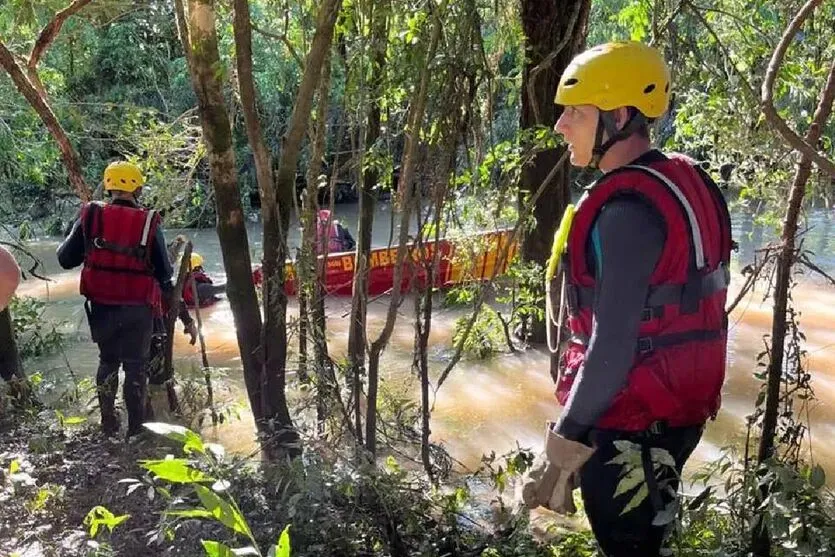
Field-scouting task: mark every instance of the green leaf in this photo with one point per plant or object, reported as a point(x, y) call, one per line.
point(175, 470)
point(216, 549)
point(14, 467)
point(191, 513)
point(222, 511)
point(637, 499)
point(699, 499)
point(190, 440)
point(74, 420)
point(282, 549)
point(624, 446)
point(630, 481)
point(629, 458)
point(667, 515)
point(244, 551)
point(663, 457)
point(818, 477)
point(100, 516)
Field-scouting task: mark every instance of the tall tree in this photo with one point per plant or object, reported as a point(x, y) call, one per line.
point(368, 181)
point(787, 256)
point(273, 333)
point(199, 37)
point(406, 197)
point(555, 31)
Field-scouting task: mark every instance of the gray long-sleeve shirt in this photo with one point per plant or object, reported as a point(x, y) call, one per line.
point(626, 243)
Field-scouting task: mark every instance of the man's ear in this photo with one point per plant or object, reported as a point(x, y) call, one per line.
point(621, 116)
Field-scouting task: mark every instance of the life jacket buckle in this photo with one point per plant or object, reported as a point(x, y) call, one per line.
point(645, 345)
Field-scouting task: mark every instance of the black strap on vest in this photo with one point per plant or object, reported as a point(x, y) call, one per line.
point(702, 286)
point(645, 345)
point(141, 252)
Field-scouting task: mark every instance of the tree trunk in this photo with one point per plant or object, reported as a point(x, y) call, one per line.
point(291, 144)
point(273, 333)
point(39, 103)
point(312, 265)
point(231, 224)
point(359, 301)
point(405, 195)
point(555, 31)
point(785, 262)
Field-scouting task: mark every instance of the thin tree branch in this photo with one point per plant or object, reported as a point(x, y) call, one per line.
point(35, 261)
point(767, 92)
point(50, 31)
point(548, 60)
point(752, 278)
point(182, 30)
point(738, 19)
point(283, 38)
point(38, 102)
point(744, 80)
point(804, 260)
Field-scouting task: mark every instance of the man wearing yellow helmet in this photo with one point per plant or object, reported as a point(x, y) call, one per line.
point(125, 273)
point(207, 290)
point(644, 280)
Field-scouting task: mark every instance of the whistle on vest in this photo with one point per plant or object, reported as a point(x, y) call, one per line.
point(560, 243)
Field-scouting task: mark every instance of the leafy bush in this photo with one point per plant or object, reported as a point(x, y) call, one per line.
point(35, 336)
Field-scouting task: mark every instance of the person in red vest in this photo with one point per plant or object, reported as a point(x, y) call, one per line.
point(331, 235)
point(207, 290)
point(644, 278)
point(125, 274)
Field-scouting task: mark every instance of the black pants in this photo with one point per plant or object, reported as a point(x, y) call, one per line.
point(123, 334)
point(208, 292)
point(631, 534)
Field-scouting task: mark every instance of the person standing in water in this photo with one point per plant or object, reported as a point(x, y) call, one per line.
point(124, 276)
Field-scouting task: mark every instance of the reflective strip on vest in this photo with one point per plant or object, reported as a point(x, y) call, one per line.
point(696, 230)
point(145, 231)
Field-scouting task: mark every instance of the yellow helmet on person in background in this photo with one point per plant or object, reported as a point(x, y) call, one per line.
point(617, 74)
point(123, 176)
point(196, 260)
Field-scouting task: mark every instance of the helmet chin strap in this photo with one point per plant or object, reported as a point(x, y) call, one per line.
point(606, 123)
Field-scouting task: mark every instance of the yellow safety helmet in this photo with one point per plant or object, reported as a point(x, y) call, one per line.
point(196, 260)
point(123, 176)
point(617, 74)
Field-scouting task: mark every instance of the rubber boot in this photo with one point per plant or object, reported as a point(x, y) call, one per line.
point(106, 384)
point(135, 393)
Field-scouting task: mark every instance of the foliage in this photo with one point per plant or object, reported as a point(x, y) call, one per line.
point(35, 335)
point(367, 510)
point(485, 338)
point(718, 520)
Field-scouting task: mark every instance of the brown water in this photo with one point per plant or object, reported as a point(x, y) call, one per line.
point(491, 405)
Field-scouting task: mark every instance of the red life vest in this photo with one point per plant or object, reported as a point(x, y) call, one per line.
point(679, 364)
point(327, 233)
point(198, 277)
point(117, 261)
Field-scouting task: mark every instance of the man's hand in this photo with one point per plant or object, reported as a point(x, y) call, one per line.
point(552, 483)
point(191, 329)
